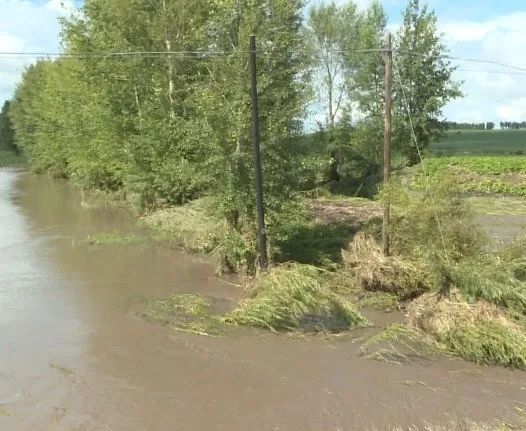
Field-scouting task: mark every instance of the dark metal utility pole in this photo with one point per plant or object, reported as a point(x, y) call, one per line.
point(262, 234)
point(387, 134)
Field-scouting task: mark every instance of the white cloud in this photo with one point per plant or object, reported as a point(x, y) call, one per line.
point(514, 110)
point(25, 27)
point(491, 90)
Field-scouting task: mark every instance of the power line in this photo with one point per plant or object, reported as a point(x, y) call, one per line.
point(208, 54)
point(469, 60)
point(16, 54)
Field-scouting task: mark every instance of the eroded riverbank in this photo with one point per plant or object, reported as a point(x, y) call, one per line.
point(75, 357)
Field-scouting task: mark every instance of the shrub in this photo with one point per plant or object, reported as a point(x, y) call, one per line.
point(374, 271)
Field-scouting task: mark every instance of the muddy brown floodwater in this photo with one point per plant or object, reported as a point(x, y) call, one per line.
point(73, 357)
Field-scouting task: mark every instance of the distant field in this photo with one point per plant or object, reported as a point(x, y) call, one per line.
point(504, 175)
point(474, 142)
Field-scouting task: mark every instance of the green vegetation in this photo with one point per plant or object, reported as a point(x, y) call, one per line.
point(400, 343)
point(490, 175)
point(378, 301)
point(112, 238)
point(185, 312)
point(192, 225)
point(295, 297)
point(10, 159)
point(166, 129)
point(479, 332)
point(481, 143)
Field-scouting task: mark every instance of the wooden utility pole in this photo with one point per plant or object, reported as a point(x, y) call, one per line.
point(262, 234)
point(387, 134)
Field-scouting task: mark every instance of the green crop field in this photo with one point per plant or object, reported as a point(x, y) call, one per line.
point(479, 142)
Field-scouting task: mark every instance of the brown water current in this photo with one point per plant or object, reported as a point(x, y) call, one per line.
point(74, 357)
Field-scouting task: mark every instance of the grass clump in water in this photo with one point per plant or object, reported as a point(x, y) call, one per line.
point(479, 332)
point(376, 272)
point(400, 343)
point(186, 312)
point(112, 238)
point(295, 297)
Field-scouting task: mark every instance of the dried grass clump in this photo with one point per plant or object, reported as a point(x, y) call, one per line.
point(480, 332)
point(295, 297)
point(376, 272)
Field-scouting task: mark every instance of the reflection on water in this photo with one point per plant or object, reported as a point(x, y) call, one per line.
point(72, 356)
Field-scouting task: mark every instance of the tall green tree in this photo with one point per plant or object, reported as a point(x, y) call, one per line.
point(368, 88)
point(423, 79)
point(331, 30)
point(7, 140)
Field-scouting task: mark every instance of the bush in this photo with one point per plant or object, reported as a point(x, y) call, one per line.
point(295, 297)
point(435, 224)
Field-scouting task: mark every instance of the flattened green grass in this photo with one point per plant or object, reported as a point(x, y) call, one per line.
point(192, 226)
point(296, 298)
point(112, 238)
point(186, 312)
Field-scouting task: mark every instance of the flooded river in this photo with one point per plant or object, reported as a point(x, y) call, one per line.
point(73, 356)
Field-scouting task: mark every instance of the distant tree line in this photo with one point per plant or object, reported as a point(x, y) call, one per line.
point(510, 125)
point(504, 125)
point(453, 125)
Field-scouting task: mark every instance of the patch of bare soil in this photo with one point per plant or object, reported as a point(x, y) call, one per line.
point(332, 212)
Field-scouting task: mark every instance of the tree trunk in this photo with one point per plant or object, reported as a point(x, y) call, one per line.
point(168, 44)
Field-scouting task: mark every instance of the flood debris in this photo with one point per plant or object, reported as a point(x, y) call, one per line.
point(376, 272)
point(479, 332)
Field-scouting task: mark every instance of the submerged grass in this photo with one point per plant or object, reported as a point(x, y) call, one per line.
point(112, 238)
point(479, 332)
point(400, 343)
point(186, 312)
point(295, 297)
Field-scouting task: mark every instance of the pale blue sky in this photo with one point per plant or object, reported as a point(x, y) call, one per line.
point(488, 29)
